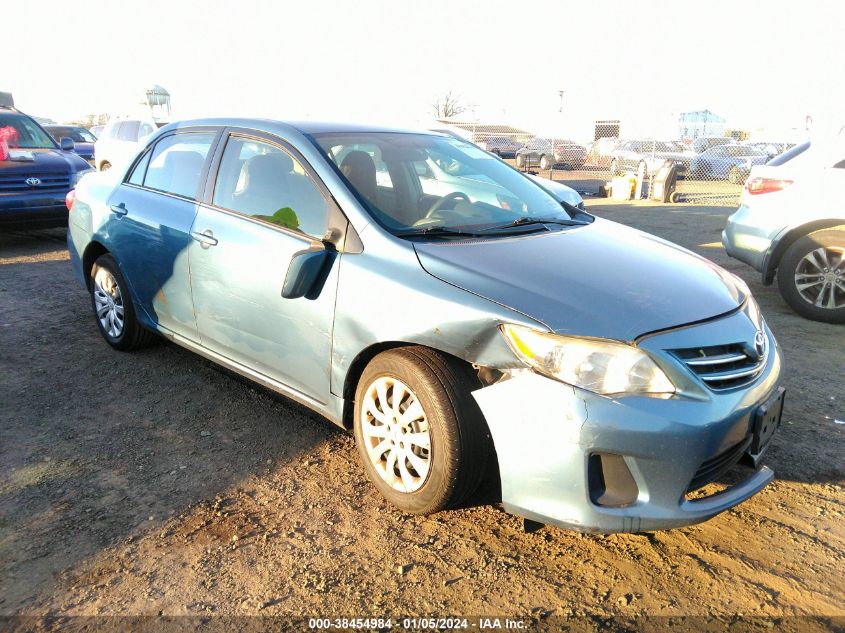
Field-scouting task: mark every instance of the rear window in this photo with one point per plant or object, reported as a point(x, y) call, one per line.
point(789, 154)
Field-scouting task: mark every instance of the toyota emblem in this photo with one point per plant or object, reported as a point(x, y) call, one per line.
point(33, 182)
point(760, 344)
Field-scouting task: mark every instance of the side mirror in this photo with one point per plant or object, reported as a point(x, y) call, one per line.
point(66, 143)
point(307, 271)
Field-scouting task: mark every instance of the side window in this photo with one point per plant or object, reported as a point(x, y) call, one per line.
point(128, 131)
point(176, 162)
point(140, 169)
point(264, 181)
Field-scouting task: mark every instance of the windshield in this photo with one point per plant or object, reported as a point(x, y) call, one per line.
point(419, 182)
point(78, 134)
point(29, 135)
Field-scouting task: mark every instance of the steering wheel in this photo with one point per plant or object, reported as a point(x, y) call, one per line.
point(454, 196)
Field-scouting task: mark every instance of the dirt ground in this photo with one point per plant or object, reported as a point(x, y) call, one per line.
point(151, 483)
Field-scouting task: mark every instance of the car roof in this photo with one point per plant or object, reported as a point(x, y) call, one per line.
point(304, 127)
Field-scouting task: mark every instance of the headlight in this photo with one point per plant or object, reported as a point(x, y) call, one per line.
point(601, 366)
point(74, 180)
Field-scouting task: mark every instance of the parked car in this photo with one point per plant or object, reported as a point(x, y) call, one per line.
point(36, 173)
point(119, 141)
point(649, 155)
point(769, 148)
point(546, 153)
point(501, 146)
point(599, 152)
point(731, 162)
point(97, 130)
point(443, 332)
point(791, 224)
point(703, 143)
point(83, 140)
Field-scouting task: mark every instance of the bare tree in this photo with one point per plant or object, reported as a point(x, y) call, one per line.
point(447, 106)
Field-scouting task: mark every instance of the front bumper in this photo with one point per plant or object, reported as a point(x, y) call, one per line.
point(545, 433)
point(36, 210)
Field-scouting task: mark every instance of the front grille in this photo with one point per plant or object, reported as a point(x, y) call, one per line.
point(717, 466)
point(16, 183)
point(723, 366)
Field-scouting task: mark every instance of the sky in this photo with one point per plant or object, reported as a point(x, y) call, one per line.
point(759, 64)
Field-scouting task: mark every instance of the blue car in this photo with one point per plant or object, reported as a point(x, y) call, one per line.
point(604, 375)
point(36, 173)
point(83, 140)
point(727, 162)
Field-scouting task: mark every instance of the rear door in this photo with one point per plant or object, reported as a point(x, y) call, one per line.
point(264, 206)
point(149, 229)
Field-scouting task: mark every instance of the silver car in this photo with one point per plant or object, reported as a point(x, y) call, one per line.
point(481, 327)
point(790, 226)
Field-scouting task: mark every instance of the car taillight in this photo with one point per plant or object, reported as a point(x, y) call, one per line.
point(70, 198)
point(766, 185)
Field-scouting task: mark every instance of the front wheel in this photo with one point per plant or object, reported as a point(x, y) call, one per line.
point(811, 276)
point(545, 163)
point(113, 307)
point(614, 167)
point(520, 161)
point(420, 435)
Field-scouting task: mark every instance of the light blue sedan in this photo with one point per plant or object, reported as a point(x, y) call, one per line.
point(476, 326)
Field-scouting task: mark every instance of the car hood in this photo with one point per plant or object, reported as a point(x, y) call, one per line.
point(44, 160)
point(602, 280)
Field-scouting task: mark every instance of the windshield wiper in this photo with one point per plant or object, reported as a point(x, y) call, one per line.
point(436, 231)
point(528, 220)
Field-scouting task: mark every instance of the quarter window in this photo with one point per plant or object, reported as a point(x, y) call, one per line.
point(265, 182)
point(176, 163)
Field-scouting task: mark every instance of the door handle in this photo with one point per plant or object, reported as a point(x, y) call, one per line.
point(119, 209)
point(206, 238)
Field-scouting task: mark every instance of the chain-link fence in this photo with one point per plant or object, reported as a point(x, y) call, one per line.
point(705, 163)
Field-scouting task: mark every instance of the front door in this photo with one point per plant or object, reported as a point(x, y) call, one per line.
point(265, 208)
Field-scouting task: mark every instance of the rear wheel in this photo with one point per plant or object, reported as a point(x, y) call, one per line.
point(113, 307)
point(811, 276)
point(545, 163)
point(520, 161)
point(420, 435)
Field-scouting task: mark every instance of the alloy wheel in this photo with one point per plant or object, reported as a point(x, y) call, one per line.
point(108, 303)
point(396, 434)
point(820, 277)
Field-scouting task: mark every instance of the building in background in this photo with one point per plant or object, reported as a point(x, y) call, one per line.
point(698, 123)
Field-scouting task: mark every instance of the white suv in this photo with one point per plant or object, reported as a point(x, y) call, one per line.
point(119, 140)
point(791, 223)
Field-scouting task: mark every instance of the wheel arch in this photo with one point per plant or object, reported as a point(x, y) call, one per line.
point(772, 261)
point(360, 362)
point(92, 252)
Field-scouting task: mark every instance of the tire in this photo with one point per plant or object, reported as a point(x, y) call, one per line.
point(520, 161)
point(544, 163)
point(110, 297)
point(458, 440)
point(642, 166)
point(819, 301)
point(614, 167)
point(105, 165)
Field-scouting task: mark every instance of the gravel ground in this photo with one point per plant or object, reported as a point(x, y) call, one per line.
point(153, 483)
